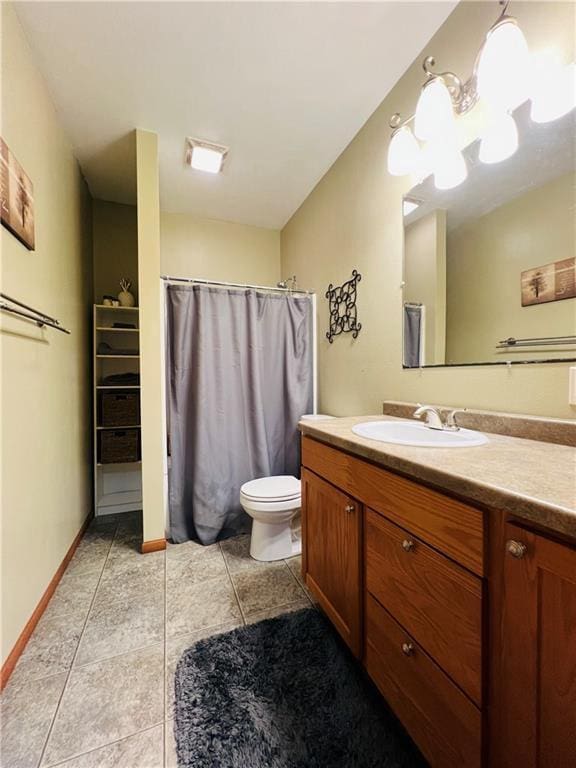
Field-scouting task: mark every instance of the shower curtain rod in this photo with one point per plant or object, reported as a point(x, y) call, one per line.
point(200, 281)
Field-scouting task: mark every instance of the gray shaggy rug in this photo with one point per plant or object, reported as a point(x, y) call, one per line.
point(283, 693)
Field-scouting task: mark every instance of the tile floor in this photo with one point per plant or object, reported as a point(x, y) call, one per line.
point(94, 687)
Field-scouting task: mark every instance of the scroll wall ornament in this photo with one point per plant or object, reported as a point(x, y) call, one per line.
point(343, 311)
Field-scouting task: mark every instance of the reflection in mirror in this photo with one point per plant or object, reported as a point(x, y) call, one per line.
point(489, 266)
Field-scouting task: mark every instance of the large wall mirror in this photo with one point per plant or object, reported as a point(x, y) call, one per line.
point(489, 266)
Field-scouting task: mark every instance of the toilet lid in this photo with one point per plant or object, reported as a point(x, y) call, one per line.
point(277, 487)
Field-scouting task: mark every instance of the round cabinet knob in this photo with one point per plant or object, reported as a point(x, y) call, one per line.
point(408, 545)
point(516, 548)
point(407, 649)
point(349, 508)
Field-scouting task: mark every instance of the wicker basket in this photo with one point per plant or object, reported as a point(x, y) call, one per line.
point(117, 446)
point(119, 409)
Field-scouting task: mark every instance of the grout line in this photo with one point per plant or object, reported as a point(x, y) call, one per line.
point(233, 585)
point(57, 709)
point(108, 744)
point(297, 580)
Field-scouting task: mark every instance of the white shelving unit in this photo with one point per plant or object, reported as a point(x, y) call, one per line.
point(118, 486)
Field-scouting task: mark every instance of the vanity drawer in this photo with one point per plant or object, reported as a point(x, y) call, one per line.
point(437, 601)
point(447, 524)
point(442, 721)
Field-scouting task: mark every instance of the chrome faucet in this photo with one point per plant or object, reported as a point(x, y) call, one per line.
point(434, 417)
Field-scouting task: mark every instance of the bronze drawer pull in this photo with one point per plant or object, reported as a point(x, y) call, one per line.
point(408, 545)
point(407, 649)
point(516, 548)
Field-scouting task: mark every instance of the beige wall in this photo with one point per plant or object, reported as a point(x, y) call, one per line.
point(115, 247)
point(353, 219)
point(219, 250)
point(425, 278)
point(485, 260)
point(46, 481)
point(152, 373)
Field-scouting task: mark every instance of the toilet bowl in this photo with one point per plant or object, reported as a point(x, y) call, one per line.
point(272, 502)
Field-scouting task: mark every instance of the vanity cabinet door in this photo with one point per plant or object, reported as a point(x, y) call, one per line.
point(539, 653)
point(331, 531)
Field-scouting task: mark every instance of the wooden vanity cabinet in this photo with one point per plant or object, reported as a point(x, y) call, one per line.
point(465, 620)
point(331, 533)
point(537, 711)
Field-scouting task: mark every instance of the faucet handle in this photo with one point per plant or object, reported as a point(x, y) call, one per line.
point(450, 419)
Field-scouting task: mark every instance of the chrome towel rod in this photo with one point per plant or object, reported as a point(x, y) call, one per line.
point(24, 310)
point(200, 281)
point(536, 341)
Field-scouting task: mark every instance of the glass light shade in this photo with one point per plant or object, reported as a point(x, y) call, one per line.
point(434, 111)
point(449, 166)
point(403, 152)
point(206, 159)
point(504, 67)
point(554, 92)
point(499, 140)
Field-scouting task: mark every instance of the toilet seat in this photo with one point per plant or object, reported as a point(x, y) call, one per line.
point(268, 490)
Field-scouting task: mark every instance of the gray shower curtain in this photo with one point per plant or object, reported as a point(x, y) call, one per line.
point(240, 376)
point(412, 335)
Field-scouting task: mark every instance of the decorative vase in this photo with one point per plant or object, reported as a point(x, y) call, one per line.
point(126, 299)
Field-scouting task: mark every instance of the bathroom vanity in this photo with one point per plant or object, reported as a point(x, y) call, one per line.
point(453, 580)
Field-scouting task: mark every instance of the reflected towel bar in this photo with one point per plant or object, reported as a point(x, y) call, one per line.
point(24, 310)
point(532, 342)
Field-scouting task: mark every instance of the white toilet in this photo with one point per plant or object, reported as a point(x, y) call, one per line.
point(272, 503)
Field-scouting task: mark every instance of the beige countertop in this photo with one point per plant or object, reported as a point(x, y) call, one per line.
point(529, 479)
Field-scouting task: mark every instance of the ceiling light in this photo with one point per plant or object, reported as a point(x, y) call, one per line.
point(434, 111)
point(503, 67)
point(403, 152)
point(205, 156)
point(554, 91)
point(409, 205)
point(500, 140)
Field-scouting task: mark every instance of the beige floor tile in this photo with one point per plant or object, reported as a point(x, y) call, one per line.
point(236, 552)
point(121, 626)
point(261, 589)
point(74, 594)
point(142, 750)
point(175, 648)
point(27, 711)
point(193, 570)
point(107, 701)
point(191, 549)
point(196, 606)
point(129, 579)
point(170, 755)
point(278, 610)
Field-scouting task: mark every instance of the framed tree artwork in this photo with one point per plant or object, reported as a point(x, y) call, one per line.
point(552, 282)
point(16, 198)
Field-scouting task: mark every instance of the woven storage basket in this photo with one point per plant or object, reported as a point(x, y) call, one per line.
point(119, 409)
point(119, 445)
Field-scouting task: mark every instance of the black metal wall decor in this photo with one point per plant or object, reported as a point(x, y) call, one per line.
point(343, 312)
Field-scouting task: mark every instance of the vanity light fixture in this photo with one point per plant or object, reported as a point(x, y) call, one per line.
point(205, 156)
point(504, 77)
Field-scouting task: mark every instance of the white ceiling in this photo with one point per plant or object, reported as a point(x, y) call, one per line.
point(285, 85)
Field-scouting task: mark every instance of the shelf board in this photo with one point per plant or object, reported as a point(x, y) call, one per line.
point(115, 309)
point(118, 386)
point(119, 427)
point(116, 330)
point(117, 463)
point(119, 357)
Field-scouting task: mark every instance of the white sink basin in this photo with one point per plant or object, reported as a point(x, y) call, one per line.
point(411, 433)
